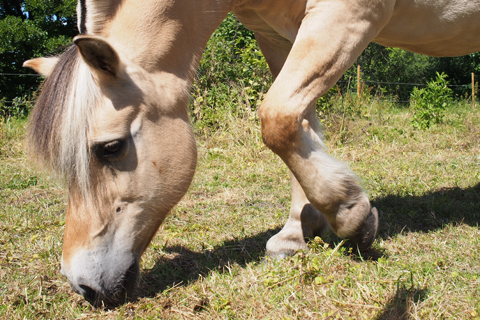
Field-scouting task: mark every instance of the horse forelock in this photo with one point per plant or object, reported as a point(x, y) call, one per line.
point(62, 118)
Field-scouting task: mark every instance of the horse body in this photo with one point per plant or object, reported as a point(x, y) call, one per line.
point(112, 116)
point(436, 28)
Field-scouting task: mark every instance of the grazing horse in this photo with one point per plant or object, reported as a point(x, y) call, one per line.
point(112, 115)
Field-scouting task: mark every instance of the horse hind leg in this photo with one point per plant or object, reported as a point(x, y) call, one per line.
point(304, 222)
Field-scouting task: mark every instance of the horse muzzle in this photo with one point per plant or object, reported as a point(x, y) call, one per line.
point(102, 281)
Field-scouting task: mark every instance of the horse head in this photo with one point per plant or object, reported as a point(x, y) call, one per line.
point(121, 137)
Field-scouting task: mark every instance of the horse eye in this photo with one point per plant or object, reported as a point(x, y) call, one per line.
point(111, 147)
point(110, 151)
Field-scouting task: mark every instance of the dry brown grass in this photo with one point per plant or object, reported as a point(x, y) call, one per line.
point(207, 260)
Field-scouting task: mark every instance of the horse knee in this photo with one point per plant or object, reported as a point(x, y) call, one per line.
point(280, 130)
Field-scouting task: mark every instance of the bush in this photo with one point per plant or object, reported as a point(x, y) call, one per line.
point(19, 108)
point(429, 103)
point(232, 76)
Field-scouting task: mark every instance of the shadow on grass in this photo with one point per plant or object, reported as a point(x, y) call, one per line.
point(181, 266)
point(428, 212)
point(402, 303)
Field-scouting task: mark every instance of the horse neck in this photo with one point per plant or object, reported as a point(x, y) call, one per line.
point(161, 36)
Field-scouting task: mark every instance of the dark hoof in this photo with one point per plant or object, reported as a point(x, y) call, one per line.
point(367, 231)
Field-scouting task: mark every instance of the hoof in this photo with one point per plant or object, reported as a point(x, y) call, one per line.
point(367, 231)
point(284, 245)
point(279, 255)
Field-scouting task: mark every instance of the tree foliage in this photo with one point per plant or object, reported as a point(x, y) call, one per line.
point(396, 72)
point(31, 28)
point(232, 72)
point(387, 69)
point(459, 71)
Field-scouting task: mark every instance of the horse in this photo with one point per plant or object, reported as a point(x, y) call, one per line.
point(112, 116)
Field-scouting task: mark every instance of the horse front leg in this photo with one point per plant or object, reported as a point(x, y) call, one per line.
point(304, 222)
point(354, 219)
point(328, 42)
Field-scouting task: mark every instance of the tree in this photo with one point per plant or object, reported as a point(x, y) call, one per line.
point(459, 70)
point(388, 69)
point(31, 28)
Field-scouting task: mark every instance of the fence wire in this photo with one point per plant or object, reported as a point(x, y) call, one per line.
point(407, 84)
point(340, 81)
point(21, 74)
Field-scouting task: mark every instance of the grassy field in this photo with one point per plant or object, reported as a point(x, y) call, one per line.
point(208, 258)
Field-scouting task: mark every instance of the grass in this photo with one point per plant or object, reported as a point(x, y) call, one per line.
point(207, 261)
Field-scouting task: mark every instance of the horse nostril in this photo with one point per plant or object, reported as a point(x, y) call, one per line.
point(88, 293)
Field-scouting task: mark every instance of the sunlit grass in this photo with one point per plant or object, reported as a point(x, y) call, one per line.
point(207, 260)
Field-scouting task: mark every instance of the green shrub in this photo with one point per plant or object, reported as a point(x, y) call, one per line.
point(429, 103)
point(18, 108)
point(232, 76)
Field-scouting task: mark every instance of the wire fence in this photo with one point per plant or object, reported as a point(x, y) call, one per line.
point(20, 74)
point(407, 84)
point(340, 81)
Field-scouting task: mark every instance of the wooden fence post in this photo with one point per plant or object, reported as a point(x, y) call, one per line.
point(473, 90)
point(358, 84)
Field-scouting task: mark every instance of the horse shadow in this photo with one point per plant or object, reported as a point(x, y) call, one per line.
point(402, 303)
point(180, 266)
point(398, 214)
point(428, 212)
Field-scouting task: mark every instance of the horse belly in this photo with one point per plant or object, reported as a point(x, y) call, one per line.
point(436, 28)
point(272, 18)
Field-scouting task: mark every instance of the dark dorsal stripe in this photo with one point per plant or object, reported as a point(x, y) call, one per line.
point(83, 17)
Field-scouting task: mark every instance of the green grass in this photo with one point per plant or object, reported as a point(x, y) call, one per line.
point(207, 260)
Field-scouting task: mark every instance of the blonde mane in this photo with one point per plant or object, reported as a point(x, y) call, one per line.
point(62, 119)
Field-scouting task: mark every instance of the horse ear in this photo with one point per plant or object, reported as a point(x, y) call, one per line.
point(99, 55)
point(43, 66)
